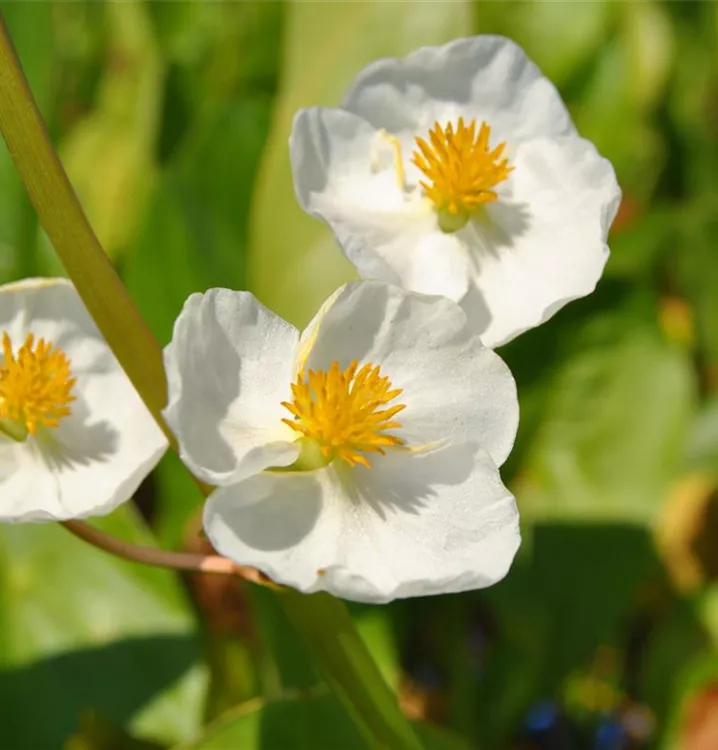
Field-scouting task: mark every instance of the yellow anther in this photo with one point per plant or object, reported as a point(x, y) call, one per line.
point(461, 169)
point(341, 411)
point(35, 387)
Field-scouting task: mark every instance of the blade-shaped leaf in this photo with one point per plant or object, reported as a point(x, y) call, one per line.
point(32, 28)
point(109, 154)
point(299, 722)
point(614, 420)
point(82, 630)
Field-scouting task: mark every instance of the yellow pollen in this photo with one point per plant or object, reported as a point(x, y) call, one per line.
point(35, 386)
point(342, 411)
point(460, 167)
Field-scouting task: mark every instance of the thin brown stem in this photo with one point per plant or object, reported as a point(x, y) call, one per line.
point(188, 561)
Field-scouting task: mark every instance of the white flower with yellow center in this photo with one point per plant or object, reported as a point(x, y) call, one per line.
point(458, 171)
point(360, 457)
point(75, 438)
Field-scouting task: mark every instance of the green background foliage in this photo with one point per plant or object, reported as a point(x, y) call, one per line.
point(172, 121)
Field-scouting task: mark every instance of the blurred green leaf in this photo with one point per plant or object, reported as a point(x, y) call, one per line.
point(702, 448)
point(176, 501)
point(341, 655)
point(696, 269)
point(637, 248)
point(300, 723)
point(606, 114)
point(98, 734)
point(438, 738)
point(223, 45)
point(614, 421)
point(515, 650)
point(376, 629)
point(536, 359)
point(650, 44)
point(540, 28)
point(303, 722)
point(31, 26)
point(295, 264)
point(284, 662)
point(218, 52)
point(673, 642)
point(232, 660)
point(80, 630)
point(706, 608)
point(197, 220)
point(588, 577)
point(570, 590)
point(286, 665)
point(692, 111)
point(109, 155)
point(699, 675)
point(184, 31)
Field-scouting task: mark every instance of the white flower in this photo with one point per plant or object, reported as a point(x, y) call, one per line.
point(380, 430)
point(75, 438)
point(458, 171)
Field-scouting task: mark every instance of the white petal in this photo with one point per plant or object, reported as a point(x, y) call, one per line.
point(92, 463)
point(229, 367)
point(99, 454)
point(483, 77)
point(27, 488)
point(454, 388)
point(416, 524)
point(439, 264)
point(343, 175)
point(546, 245)
point(52, 309)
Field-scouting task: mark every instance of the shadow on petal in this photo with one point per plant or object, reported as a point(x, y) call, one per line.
point(405, 482)
point(212, 369)
point(477, 311)
point(342, 325)
point(496, 228)
point(491, 234)
point(270, 512)
point(78, 441)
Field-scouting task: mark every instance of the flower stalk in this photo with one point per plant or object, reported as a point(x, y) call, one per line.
point(324, 623)
point(187, 561)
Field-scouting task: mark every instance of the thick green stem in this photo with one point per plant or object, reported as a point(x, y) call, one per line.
point(340, 653)
point(323, 622)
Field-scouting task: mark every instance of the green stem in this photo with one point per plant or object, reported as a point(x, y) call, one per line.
point(342, 656)
point(323, 622)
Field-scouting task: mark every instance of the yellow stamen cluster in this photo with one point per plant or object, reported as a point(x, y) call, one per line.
point(460, 167)
point(35, 384)
point(342, 411)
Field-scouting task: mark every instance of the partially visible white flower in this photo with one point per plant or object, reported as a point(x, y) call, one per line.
point(361, 457)
point(75, 438)
point(457, 171)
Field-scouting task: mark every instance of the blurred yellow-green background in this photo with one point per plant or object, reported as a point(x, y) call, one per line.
point(172, 121)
